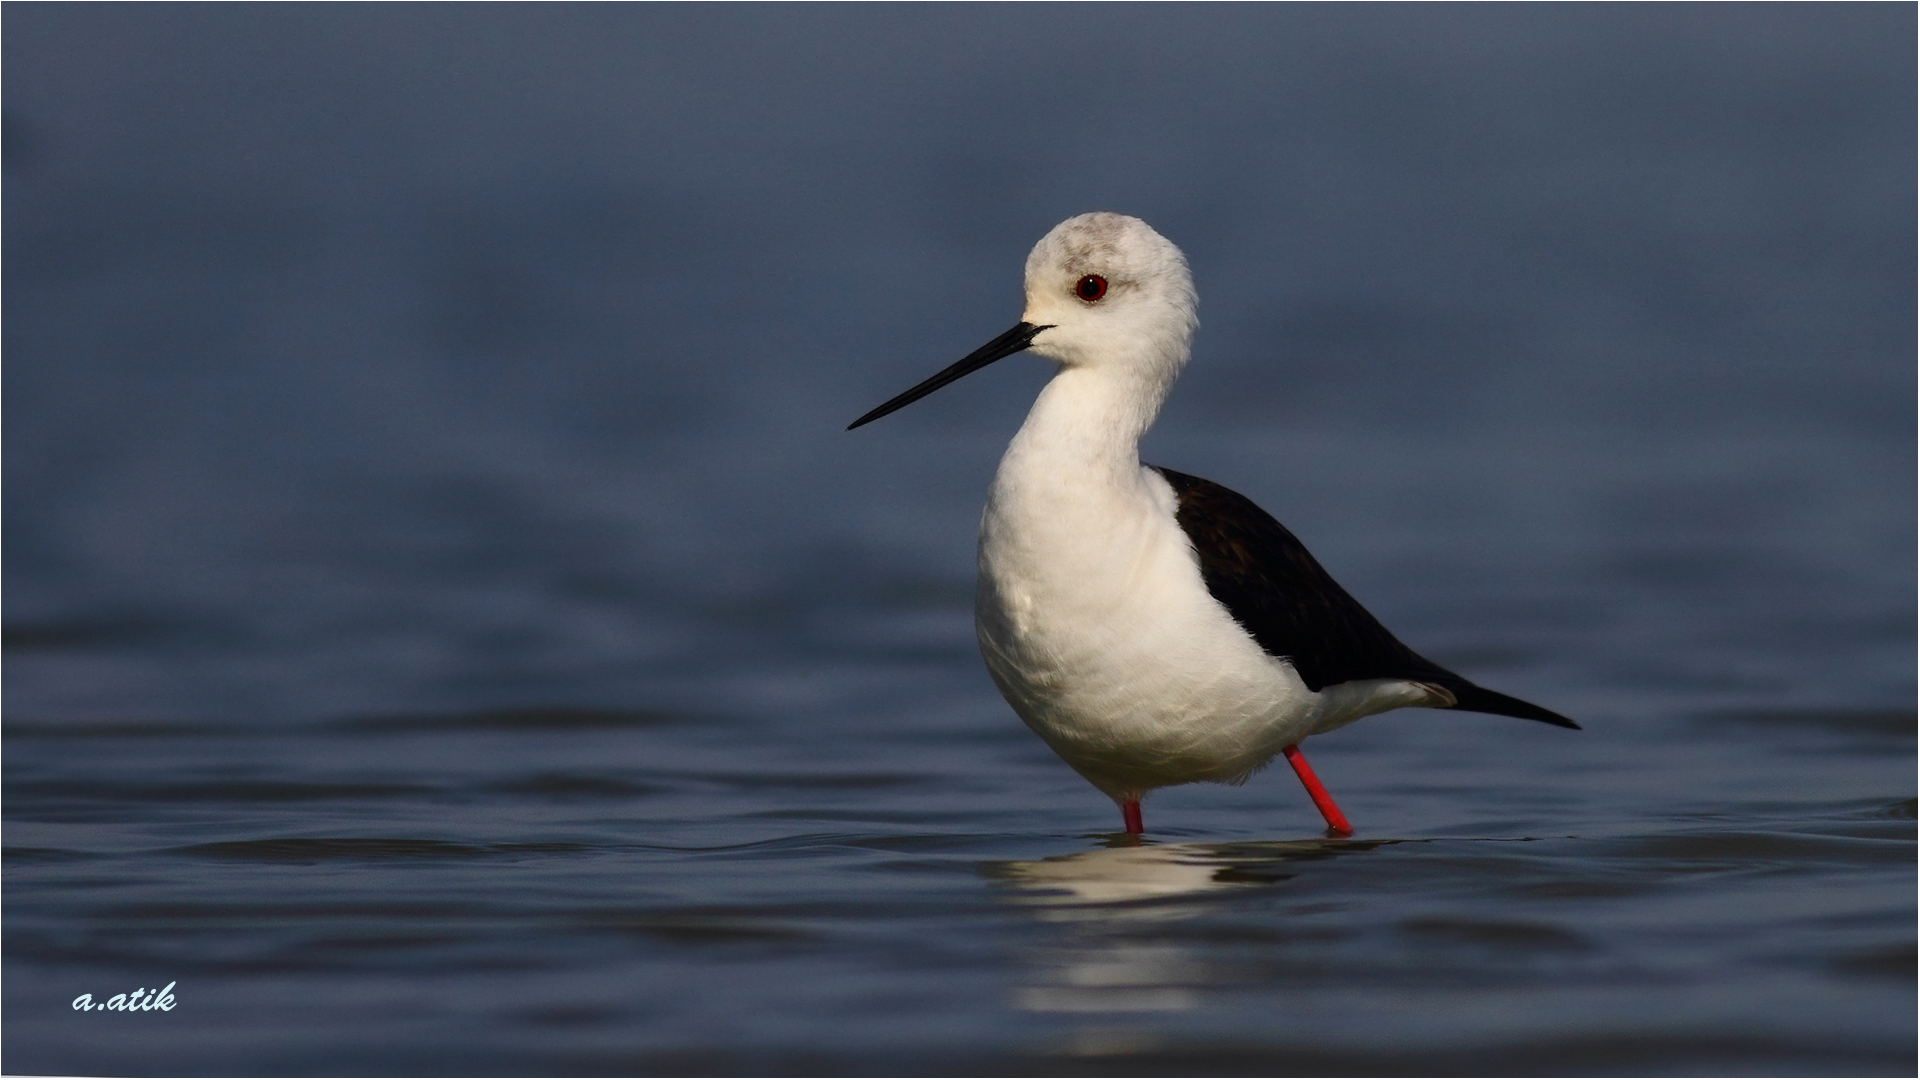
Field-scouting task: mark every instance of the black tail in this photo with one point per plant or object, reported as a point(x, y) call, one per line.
point(1471, 698)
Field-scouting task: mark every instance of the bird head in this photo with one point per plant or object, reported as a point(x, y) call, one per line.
point(1104, 293)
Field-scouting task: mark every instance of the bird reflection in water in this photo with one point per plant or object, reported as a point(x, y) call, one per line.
point(1113, 962)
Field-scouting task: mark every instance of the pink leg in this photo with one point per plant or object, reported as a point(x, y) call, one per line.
point(1130, 812)
point(1336, 821)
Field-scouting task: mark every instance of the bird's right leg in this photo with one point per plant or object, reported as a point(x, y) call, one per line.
point(1336, 821)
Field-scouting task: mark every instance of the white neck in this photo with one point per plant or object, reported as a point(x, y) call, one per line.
point(1088, 422)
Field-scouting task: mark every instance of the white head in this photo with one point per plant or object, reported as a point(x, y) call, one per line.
point(1111, 292)
point(1104, 293)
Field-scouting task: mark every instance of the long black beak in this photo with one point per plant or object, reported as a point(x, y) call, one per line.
point(1005, 345)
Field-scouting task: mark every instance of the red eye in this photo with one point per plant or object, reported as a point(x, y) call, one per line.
point(1091, 288)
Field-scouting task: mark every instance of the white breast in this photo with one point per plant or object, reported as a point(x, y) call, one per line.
point(1100, 632)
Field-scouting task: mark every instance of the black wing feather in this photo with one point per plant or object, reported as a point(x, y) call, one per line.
point(1279, 593)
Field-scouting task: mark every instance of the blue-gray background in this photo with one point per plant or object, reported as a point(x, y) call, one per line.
point(423, 426)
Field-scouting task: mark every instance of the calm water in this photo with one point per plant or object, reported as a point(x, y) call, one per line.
point(449, 632)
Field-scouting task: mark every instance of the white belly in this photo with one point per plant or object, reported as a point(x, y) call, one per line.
point(1098, 628)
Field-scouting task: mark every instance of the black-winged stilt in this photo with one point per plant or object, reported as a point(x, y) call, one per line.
point(1153, 627)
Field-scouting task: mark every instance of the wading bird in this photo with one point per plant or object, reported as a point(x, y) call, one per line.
point(1153, 627)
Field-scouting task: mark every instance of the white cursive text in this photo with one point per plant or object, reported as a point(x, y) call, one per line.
point(138, 1001)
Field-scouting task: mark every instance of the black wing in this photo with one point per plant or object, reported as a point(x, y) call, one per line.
point(1296, 611)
